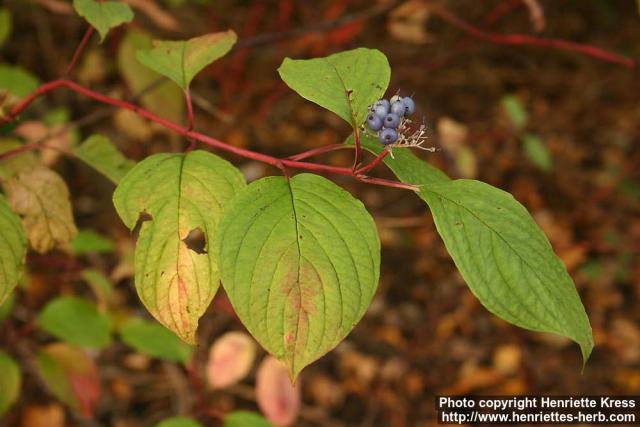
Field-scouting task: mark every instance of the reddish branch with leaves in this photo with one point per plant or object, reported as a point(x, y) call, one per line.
point(358, 171)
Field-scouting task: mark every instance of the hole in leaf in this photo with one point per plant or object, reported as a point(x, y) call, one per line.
point(196, 241)
point(144, 216)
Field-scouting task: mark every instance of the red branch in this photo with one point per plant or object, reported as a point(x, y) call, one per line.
point(374, 163)
point(196, 136)
point(526, 40)
point(79, 50)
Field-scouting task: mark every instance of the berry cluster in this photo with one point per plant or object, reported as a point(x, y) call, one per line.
point(387, 117)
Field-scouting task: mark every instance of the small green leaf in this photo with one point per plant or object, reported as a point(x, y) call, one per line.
point(161, 99)
point(245, 419)
point(99, 153)
point(179, 422)
point(100, 285)
point(300, 262)
point(516, 111)
point(182, 60)
point(5, 25)
point(346, 83)
point(13, 249)
point(537, 152)
point(90, 242)
point(103, 16)
point(41, 198)
point(500, 251)
point(10, 382)
point(17, 81)
point(71, 375)
point(177, 197)
point(155, 340)
point(76, 321)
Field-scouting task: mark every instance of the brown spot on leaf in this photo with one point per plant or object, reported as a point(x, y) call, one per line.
point(144, 216)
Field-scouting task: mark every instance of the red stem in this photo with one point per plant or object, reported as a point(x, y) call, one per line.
point(356, 139)
point(523, 39)
point(374, 163)
point(319, 150)
point(79, 50)
point(187, 98)
point(193, 135)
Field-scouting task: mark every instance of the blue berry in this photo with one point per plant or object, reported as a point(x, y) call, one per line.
point(384, 103)
point(398, 108)
point(374, 122)
point(381, 110)
point(409, 104)
point(388, 136)
point(391, 121)
point(395, 98)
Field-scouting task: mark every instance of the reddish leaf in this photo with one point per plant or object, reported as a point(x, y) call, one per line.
point(277, 398)
point(230, 359)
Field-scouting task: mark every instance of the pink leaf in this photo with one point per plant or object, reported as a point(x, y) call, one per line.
point(278, 399)
point(230, 359)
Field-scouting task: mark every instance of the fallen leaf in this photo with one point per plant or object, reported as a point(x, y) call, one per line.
point(230, 359)
point(51, 415)
point(408, 22)
point(278, 399)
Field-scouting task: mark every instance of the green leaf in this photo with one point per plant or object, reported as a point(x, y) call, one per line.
point(76, 321)
point(162, 98)
point(10, 382)
point(506, 259)
point(5, 25)
point(99, 153)
point(516, 111)
point(90, 241)
point(346, 83)
point(100, 285)
point(13, 249)
point(245, 419)
point(105, 15)
point(41, 198)
point(17, 81)
point(179, 422)
point(300, 262)
point(537, 152)
point(177, 196)
point(155, 340)
point(71, 375)
point(182, 60)
point(500, 251)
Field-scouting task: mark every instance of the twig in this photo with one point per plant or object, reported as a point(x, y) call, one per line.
point(526, 40)
point(374, 163)
point(193, 135)
point(79, 50)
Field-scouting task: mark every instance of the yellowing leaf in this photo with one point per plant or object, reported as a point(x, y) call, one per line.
point(230, 359)
point(179, 198)
point(163, 98)
point(182, 60)
point(300, 262)
point(13, 248)
point(277, 398)
point(41, 198)
point(103, 16)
